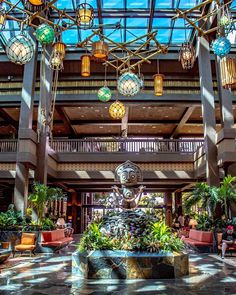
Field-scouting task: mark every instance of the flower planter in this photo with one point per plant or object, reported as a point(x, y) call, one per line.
point(119, 264)
point(5, 245)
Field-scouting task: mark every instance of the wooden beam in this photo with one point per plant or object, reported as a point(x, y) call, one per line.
point(186, 115)
point(8, 118)
point(66, 120)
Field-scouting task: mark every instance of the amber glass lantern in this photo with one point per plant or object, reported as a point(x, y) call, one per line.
point(60, 48)
point(85, 16)
point(34, 5)
point(228, 72)
point(117, 110)
point(100, 49)
point(58, 54)
point(158, 84)
point(85, 65)
point(2, 20)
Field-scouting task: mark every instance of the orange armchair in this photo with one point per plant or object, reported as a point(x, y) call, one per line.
point(28, 243)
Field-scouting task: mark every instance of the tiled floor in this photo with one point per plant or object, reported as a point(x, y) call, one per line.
point(52, 275)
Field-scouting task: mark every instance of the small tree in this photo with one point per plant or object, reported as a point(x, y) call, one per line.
point(205, 196)
point(227, 192)
point(40, 197)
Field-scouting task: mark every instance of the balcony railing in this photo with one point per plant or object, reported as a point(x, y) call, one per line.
point(126, 145)
point(8, 145)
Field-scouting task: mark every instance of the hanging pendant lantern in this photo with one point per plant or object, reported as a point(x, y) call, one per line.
point(187, 56)
point(85, 65)
point(2, 19)
point(45, 34)
point(85, 16)
point(104, 94)
point(57, 57)
point(100, 49)
point(128, 84)
point(228, 72)
point(117, 110)
point(34, 5)
point(158, 84)
point(221, 46)
point(20, 49)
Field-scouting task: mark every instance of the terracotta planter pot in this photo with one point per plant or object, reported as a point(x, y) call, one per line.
point(5, 245)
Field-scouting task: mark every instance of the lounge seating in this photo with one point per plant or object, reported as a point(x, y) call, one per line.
point(199, 238)
point(28, 243)
point(55, 239)
point(219, 243)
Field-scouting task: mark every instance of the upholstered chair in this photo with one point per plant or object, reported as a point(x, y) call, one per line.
point(28, 243)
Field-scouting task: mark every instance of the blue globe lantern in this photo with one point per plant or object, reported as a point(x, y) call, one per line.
point(221, 46)
point(129, 84)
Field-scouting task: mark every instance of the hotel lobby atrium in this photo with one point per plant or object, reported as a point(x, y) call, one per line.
point(117, 147)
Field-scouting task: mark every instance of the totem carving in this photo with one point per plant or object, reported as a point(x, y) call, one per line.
point(129, 195)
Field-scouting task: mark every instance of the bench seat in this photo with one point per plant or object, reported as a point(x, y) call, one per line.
point(199, 238)
point(55, 239)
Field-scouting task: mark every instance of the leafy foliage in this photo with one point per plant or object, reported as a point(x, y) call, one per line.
point(11, 219)
point(158, 237)
point(204, 222)
point(41, 195)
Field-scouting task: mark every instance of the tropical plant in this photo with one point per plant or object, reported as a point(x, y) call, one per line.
point(204, 222)
point(11, 219)
point(40, 197)
point(207, 197)
point(227, 192)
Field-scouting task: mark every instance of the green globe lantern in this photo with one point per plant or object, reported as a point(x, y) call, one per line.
point(45, 34)
point(104, 94)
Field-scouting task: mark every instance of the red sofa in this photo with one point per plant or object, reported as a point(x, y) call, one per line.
point(55, 239)
point(199, 238)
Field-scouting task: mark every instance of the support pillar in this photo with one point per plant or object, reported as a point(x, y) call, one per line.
point(208, 112)
point(226, 136)
point(178, 203)
point(45, 98)
point(25, 133)
point(168, 208)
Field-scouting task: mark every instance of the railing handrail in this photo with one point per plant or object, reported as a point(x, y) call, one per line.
point(154, 145)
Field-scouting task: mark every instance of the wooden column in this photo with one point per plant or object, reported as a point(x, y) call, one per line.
point(25, 127)
point(226, 136)
point(178, 203)
point(45, 98)
point(208, 112)
point(168, 208)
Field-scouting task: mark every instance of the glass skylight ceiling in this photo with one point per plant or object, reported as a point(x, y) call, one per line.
point(134, 16)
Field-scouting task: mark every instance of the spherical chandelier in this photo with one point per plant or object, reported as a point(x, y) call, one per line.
point(117, 110)
point(85, 16)
point(45, 34)
point(221, 46)
point(20, 49)
point(187, 55)
point(104, 94)
point(128, 84)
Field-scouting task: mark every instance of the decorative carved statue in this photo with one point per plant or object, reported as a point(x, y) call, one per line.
point(129, 195)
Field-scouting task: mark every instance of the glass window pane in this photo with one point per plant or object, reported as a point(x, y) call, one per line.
point(134, 33)
point(62, 4)
point(137, 4)
point(163, 36)
point(70, 36)
point(164, 4)
point(178, 36)
point(187, 3)
point(113, 4)
point(115, 35)
point(136, 22)
point(161, 22)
